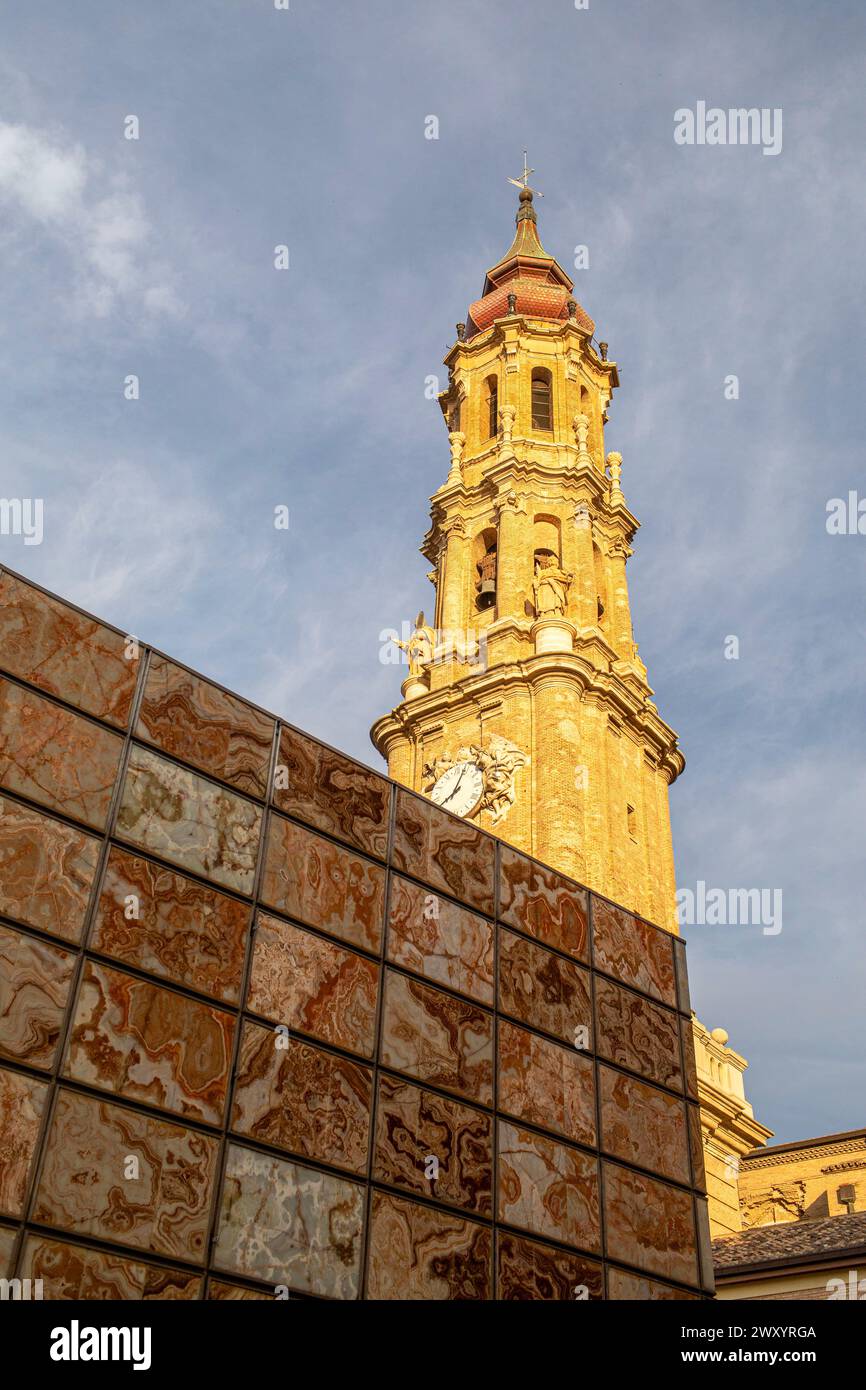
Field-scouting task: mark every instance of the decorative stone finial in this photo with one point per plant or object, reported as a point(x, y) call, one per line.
point(461, 332)
point(614, 465)
point(580, 425)
point(507, 416)
point(572, 308)
point(512, 303)
point(602, 347)
point(456, 439)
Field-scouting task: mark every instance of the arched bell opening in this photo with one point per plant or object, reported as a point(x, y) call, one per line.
point(485, 564)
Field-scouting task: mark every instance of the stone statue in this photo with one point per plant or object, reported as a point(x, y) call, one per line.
point(498, 763)
point(550, 587)
point(419, 647)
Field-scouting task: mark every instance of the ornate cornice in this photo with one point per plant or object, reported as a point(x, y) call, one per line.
point(774, 1160)
point(646, 725)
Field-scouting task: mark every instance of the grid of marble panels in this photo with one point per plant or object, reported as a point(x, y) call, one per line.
point(250, 990)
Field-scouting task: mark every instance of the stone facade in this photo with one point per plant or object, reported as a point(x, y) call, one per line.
point(808, 1180)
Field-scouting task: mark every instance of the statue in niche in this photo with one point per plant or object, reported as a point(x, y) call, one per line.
point(550, 586)
point(419, 647)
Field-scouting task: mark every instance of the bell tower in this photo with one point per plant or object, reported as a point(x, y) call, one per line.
point(527, 707)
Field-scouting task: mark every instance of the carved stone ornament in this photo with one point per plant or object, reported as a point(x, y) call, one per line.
point(476, 779)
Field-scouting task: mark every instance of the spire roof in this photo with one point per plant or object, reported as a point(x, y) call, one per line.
point(538, 281)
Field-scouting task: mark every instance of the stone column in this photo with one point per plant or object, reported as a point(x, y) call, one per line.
point(557, 760)
point(454, 587)
point(513, 558)
point(401, 760)
point(622, 638)
point(583, 589)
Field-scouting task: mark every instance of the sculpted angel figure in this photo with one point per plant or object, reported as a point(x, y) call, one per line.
point(498, 763)
point(550, 587)
point(419, 647)
point(434, 770)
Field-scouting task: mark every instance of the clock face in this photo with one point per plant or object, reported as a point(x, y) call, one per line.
point(459, 789)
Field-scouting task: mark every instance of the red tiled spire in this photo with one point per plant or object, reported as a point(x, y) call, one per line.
point(540, 285)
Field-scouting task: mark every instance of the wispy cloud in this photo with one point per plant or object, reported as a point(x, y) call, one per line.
point(92, 218)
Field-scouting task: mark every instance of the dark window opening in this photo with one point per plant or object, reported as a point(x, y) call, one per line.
point(542, 418)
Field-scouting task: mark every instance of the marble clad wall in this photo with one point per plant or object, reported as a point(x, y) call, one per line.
point(271, 1024)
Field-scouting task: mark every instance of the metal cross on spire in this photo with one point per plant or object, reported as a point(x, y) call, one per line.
point(524, 181)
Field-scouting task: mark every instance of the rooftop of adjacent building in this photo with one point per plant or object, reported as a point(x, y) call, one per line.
point(797, 1146)
point(791, 1243)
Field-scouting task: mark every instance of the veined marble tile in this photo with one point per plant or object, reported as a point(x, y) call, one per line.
point(295, 1096)
point(545, 1084)
point(417, 1253)
point(127, 1177)
point(643, 1125)
point(147, 1043)
point(696, 1145)
point(46, 870)
point(633, 951)
point(225, 1292)
point(7, 1248)
point(332, 793)
point(705, 1245)
point(444, 851)
point(637, 1034)
point(543, 904)
point(318, 883)
point(547, 1188)
point(543, 990)
point(634, 1288)
point(290, 1225)
point(413, 1126)
point(194, 720)
point(438, 1038)
point(75, 1272)
point(434, 937)
point(538, 1273)
point(22, 1100)
point(649, 1224)
point(313, 986)
point(682, 973)
point(34, 983)
point(57, 758)
point(691, 1070)
point(181, 817)
point(75, 658)
point(181, 930)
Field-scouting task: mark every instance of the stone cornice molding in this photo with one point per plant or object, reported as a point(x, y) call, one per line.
point(774, 1160)
point(608, 689)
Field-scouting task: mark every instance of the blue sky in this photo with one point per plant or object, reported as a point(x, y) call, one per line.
point(305, 388)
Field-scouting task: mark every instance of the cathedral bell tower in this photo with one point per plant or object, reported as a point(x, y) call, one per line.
point(526, 707)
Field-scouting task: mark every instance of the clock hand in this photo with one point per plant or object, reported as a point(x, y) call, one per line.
point(457, 788)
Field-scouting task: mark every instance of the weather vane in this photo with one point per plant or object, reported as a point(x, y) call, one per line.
point(524, 182)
